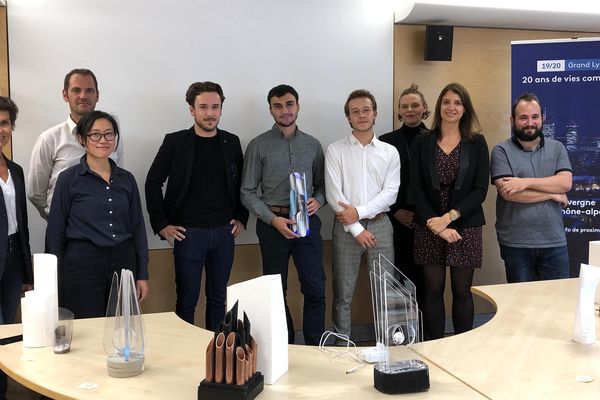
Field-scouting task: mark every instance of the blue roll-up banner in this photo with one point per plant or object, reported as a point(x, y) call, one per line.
point(565, 74)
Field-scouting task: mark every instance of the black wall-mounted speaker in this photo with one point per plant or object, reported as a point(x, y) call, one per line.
point(438, 43)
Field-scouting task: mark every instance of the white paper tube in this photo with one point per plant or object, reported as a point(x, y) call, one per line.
point(32, 317)
point(46, 286)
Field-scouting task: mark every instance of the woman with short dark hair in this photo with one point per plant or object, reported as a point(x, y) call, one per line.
point(95, 225)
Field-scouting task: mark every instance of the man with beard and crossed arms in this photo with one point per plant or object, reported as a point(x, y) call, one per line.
point(270, 158)
point(201, 213)
point(532, 175)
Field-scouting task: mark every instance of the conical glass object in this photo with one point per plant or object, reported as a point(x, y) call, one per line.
point(124, 328)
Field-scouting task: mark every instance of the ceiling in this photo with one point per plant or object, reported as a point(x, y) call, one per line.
point(421, 13)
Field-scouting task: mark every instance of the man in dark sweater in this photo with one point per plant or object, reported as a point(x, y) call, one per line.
point(201, 213)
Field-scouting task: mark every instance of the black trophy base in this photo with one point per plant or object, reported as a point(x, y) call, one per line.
point(222, 391)
point(408, 376)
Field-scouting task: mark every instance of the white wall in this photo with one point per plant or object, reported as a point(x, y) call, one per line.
point(145, 54)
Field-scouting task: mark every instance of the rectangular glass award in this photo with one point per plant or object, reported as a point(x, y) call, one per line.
point(397, 323)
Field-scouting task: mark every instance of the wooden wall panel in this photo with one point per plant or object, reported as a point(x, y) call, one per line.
point(247, 265)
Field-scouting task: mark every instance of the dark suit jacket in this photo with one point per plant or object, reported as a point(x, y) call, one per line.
point(17, 175)
point(175, 160)
point(398, 139)
point(470, 187)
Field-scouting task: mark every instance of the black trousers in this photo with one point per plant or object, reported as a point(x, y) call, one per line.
point(86, 274)
point(307, 253)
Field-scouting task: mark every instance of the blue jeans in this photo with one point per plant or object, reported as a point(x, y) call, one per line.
point(535, 264)
point(308, 258)
point(212, 249)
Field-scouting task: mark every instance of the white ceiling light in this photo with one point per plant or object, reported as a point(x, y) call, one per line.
point(578, 16)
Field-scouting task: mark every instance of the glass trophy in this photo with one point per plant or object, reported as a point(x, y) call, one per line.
point(124, 328)
point(298, 206)
point(398, 324)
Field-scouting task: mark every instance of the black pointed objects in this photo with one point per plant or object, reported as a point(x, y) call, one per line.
point(230, 321)
point(242, 333)
point(247, 327)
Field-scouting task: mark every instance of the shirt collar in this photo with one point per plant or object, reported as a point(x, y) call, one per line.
point(72, 125)
point(85, 169)
point(354, 141)
point(276, 131)
point(193, 132)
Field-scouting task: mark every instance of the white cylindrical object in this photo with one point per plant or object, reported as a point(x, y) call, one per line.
point(32, 317)
point(594, 259)
point(45, 278)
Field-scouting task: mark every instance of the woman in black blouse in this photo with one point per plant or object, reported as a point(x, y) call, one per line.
point(16, 274)
point(412, 110)
point(95, 225)
point(449, 178)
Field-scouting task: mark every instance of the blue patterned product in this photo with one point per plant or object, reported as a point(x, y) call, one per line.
point(298, 207)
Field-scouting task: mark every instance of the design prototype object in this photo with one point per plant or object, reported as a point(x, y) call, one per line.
point(397, 323)
point(124, 328)
point(298, 207)
point(231, 360)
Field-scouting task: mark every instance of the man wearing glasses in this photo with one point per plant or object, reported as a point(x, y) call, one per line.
point(362, 176)
point(201, 213)
point(57, 148)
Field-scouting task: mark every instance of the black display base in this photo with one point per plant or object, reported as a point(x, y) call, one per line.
point(222, 391)
point(407, 376)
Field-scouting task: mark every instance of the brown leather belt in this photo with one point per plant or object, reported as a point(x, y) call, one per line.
point(280, 209)
point(376, 218)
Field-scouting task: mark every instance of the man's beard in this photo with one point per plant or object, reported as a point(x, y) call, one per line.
point(206, 125)
point(287, 124)
point(526, 137)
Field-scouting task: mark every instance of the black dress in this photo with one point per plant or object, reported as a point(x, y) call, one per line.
point(431, 249)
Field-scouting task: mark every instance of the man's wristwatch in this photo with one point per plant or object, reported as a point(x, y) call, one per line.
point(453, 215)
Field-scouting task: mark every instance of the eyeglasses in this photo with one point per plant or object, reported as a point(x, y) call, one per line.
point(96, 136)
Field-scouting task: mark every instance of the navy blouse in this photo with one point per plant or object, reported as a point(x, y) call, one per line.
point(86, 207)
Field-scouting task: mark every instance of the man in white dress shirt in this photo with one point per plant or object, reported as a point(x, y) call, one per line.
point(362, 176)
point(57, 148)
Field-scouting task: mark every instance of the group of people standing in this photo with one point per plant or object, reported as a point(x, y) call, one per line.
point(438, 216)
point(413, 195)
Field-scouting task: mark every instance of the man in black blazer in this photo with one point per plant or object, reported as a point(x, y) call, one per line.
point(201, 213)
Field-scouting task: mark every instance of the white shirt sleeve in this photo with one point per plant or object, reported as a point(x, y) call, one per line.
point(389, 191)
point(334, 183)
point(40, 172)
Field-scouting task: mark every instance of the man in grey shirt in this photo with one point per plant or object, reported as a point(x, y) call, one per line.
point(269, 160)
point(532, 175)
